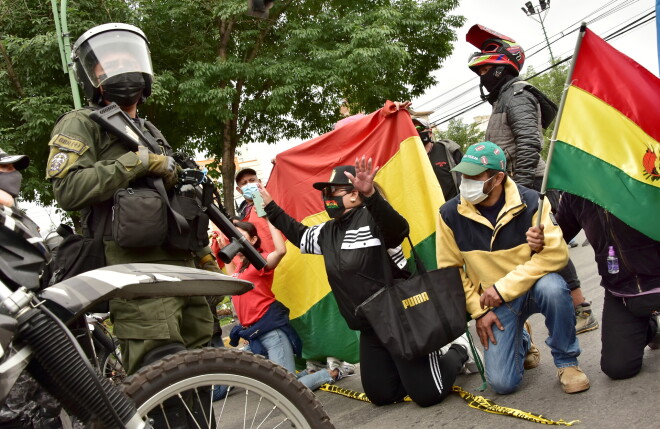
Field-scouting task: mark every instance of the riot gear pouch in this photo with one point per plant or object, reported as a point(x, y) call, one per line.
point(139, 218)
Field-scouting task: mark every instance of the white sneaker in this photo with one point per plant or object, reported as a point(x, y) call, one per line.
point(313, 366)
point(348, 368)
point(470, 366)
point(334, 363)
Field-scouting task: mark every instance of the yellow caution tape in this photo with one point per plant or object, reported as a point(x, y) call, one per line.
point(485, 404)
point(474, 401)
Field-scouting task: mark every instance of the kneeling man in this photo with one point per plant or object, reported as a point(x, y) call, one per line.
point(482, 231)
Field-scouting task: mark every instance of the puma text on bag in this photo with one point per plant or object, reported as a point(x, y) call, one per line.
point(413, 317)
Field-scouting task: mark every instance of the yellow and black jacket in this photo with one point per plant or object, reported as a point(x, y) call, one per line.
point(498, 255)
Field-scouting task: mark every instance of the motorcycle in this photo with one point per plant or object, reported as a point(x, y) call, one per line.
point(175, 391)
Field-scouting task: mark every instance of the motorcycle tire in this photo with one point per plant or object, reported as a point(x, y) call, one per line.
point(111, 366)
point(177, 391)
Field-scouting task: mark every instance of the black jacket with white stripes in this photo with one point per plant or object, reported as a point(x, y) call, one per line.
point(357, 249)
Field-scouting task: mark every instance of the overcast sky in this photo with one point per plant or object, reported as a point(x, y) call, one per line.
point(506, 17)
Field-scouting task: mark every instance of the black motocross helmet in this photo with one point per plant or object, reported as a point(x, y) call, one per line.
point(109, 50)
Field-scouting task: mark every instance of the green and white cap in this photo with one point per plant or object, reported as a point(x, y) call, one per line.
point(481, 157)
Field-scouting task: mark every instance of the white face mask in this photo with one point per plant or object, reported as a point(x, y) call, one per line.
point(473, 190)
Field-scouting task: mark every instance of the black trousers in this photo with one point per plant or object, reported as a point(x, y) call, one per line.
point(387, 379)
point(624, 336)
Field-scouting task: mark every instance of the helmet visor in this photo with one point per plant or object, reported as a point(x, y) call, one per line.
point(479, 58)
point(112, 53)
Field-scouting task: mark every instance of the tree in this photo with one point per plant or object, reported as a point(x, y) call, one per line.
point(224, 79)
point(463, 134)
point(244, 79)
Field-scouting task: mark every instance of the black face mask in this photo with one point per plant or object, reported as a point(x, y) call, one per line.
point(124, 89)
point(11, 182)
point(493, 81)
point(425, 136)
point(334, 206)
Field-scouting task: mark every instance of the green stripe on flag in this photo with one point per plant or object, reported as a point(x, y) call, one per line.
point(426, 250)
point(585, 175)
point(324, 332)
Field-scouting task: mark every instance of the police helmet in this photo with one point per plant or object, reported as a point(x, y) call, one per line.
point(109, 50)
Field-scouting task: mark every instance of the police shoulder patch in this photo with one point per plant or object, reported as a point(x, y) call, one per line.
point(57, 164)
point(68, 144)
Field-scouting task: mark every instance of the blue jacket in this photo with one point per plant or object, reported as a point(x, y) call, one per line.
point(277, 317)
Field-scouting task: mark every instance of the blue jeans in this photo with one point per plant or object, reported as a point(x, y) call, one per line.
point(280, 352)
point(504, 361)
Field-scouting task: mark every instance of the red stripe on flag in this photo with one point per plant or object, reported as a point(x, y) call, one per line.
point(377, 135)
point(619, 81)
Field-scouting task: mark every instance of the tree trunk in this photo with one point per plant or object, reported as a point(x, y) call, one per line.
point(228, 169)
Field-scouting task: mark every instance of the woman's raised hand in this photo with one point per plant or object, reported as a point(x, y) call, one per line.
point(363, 181)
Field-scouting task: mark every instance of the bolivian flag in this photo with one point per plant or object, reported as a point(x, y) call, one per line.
point(409, 184)
point(608, 141)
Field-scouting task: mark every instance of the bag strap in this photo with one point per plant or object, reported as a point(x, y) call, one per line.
point(152, 138)
point(418, 261)
point(181, 222)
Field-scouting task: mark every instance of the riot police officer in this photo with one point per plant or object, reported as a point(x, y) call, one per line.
point(88, 165)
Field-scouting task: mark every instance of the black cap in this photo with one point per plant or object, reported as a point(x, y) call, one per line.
point(244, 172)
point(20, 162)
point(337, 178)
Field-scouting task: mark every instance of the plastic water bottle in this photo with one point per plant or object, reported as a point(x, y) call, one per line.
point(612, 261)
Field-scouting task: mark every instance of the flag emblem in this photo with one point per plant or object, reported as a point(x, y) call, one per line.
point(651, 162)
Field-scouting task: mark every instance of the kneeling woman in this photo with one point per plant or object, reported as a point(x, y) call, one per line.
point(264, 321)
point(354, 246)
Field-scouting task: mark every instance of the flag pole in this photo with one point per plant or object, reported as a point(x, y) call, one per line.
point(567, 84)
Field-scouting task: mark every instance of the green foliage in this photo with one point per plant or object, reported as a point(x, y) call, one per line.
point(463, 134)
point(224, 79)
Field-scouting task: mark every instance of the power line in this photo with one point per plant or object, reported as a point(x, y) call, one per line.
point(556, 37)
point(617, 33)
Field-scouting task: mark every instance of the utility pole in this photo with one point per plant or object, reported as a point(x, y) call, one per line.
point(64, 42)
point(542, 11)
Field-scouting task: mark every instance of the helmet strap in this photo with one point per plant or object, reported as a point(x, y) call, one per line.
point(484, 96)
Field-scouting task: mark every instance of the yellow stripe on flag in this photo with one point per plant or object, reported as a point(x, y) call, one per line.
point(412, 188)
point(597, 128)
point(301, 271)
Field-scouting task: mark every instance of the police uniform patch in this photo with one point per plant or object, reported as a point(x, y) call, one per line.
point(68, 144)
point(57, 164)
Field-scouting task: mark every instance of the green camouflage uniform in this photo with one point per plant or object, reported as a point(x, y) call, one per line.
point(86, 166)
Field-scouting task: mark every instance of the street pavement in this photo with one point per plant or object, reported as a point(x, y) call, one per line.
point(629, 404)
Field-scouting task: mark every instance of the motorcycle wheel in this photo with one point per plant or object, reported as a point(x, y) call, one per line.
point(177, 391)
point(112, 367)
